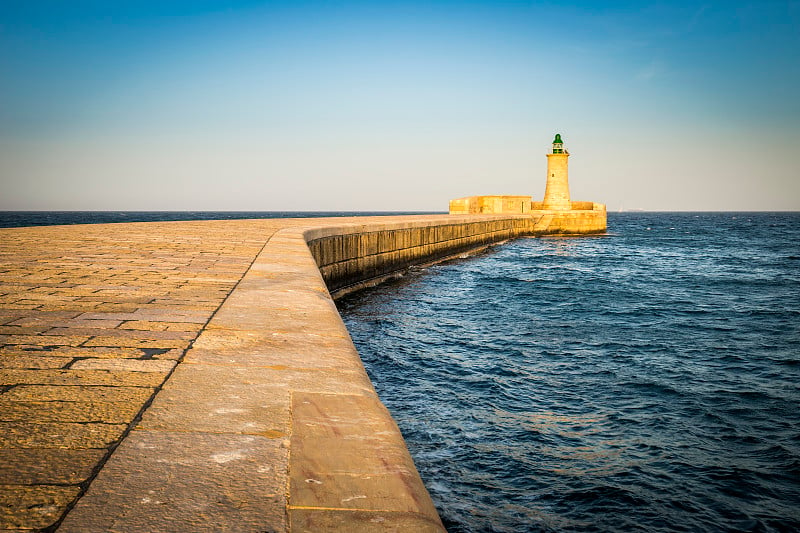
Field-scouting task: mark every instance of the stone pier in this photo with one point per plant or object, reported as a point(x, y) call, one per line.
point(196, 376)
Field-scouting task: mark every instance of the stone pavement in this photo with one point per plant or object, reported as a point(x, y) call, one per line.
point(93, 320)
point(269, 422)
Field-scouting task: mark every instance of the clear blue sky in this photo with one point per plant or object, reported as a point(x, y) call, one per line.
point(212, 105)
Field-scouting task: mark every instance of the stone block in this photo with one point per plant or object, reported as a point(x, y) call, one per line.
point(162, 481)
point(202, 398)
point(34, 434)
point(72, 377)
point(31, 361)
point(298, 349)
point(48, 466)
point(82, 393)
point(347, 453)
point(70, 411)
point(33, 508)
point(356, 521)
point(125, 365)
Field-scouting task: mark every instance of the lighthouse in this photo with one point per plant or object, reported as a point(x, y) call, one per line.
point(556, 193)
point(555, 214)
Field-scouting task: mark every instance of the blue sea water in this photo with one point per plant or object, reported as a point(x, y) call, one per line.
point(646, 380)
point(14, 219)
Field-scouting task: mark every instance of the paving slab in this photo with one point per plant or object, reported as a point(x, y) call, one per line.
point(159, 481)
point(355, 521)
point(32, 507)
point(346, 457)
point(73, 376)
point(70, 435)
point(248, 401)
point(55, 466)
point(77, 393)
point(82, 411)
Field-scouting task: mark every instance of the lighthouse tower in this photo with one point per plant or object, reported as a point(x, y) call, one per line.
point(556, 193)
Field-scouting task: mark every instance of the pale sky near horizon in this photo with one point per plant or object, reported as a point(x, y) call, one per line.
point(279, 106)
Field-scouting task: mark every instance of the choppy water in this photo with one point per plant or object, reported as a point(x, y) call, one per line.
point(648, 380)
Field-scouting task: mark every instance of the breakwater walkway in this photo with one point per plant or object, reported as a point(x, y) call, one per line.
point(196, 376)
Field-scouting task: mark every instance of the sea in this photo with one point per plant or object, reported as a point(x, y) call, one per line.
point(644, 380)
point(14, 219)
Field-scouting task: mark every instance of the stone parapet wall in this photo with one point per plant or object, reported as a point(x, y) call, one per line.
point(350, 256)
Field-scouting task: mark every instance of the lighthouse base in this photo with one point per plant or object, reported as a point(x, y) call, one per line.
point(581, 218)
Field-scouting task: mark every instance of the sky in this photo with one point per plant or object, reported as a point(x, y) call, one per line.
point(396, 106)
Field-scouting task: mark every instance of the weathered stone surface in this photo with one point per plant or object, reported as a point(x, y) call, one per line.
point(33, 507)
point(125, 365)
point(20, 330)
point(354, 521)
point(30, 362)
point(100, 352)
point(44, 340)
point(177, 314)
point(159, 481)
point(124, 333)
point(59, 435)
point(77, 411)
point(161, 326)
point(282, 350)
point(90, 394)
point(347, 453)
point(48, 466)
point(278, 321)
point(241, 400)
point(135, 343)
point(80, 377)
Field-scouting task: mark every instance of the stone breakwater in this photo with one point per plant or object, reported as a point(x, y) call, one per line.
point(196, 376)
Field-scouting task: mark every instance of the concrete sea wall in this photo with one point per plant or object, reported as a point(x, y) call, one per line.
point(352, 256)
point(268, 421)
